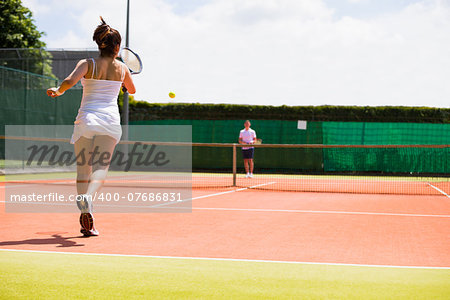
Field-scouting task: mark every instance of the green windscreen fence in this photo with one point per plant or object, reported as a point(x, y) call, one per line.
point(24, 101)
point(326, 133)
point(270, 131)
point(387, 160)
point(378, 160)
point(390, 160)
point(352, 160)
point(366, 133)
point(227, 131)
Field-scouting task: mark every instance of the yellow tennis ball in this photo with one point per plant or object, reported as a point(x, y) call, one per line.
point(172, 95)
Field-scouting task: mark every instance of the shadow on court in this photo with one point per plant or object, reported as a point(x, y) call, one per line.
point(56, 239)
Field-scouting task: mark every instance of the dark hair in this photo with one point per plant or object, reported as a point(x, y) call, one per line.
point(107, 39)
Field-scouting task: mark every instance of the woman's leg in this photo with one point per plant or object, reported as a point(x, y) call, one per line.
point(84, 169)
point(98, 154)
point(83, 149)
point(103, 145)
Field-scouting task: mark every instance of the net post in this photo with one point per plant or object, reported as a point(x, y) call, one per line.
point(234, 164)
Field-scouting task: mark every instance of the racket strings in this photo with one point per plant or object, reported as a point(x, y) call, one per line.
point(131, 60)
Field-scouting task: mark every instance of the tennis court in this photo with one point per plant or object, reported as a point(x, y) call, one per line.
point(261, 241)
point(372, 229)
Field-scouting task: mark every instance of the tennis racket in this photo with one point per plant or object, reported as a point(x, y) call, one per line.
point(258, 142)
point(131, 60)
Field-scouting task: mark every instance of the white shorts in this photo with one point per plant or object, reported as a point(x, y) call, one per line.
point(90, 131)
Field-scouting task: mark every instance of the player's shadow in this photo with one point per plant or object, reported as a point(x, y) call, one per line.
point(56, 239)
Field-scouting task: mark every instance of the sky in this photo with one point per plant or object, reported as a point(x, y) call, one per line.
point(272, 52)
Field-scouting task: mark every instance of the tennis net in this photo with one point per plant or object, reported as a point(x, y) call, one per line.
point(367, 169)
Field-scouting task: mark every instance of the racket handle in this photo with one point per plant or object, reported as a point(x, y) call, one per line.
point(124, 89)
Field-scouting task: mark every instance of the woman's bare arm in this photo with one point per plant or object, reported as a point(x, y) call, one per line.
point(79, 71)
point(128, 82)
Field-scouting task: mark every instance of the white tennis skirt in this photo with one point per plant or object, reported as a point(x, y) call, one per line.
point(89, 125)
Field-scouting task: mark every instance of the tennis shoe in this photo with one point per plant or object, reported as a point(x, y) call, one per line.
point(87, 225)
point(92, 232)
point(84, 203)
point(87, 221)
point(250, 175)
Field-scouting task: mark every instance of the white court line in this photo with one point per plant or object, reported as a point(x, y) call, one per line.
point(227, 259)
point(216, 194)
point(254, 209)
point(439, 190)
point(232, 191)
point(153, 206)
point(320, 212)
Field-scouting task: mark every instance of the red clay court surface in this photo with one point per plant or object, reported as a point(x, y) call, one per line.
point(397, 230)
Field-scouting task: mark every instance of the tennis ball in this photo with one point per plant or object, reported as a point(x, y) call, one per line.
point(172, 95)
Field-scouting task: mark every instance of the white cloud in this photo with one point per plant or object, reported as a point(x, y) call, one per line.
point(357, 1)
point(279, 51)
point(70, 40)
point(37, 7)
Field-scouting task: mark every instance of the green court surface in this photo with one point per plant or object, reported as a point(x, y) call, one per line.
point(29, 275)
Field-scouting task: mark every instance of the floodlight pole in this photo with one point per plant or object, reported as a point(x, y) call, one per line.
point(127, 34)
point(125, 105)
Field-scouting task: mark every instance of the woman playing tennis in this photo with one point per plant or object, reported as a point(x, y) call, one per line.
point(97, 125)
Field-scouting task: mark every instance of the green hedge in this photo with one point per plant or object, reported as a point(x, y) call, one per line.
point(140, 110)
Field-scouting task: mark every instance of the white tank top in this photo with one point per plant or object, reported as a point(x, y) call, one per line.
point(99, 102)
